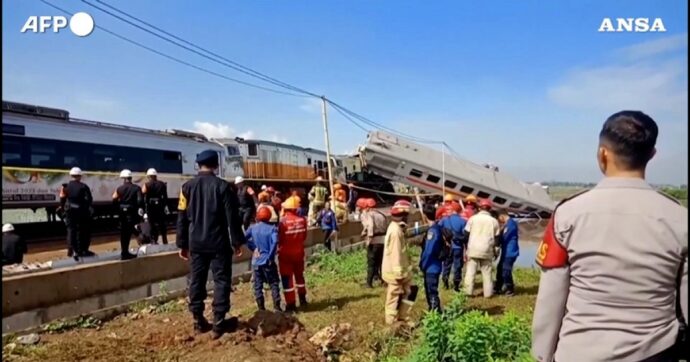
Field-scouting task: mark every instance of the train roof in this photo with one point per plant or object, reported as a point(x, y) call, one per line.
point(269, 143)
point(60, 115)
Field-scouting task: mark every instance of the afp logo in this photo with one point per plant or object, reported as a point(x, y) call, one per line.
point(636, 25)
point(81, 24)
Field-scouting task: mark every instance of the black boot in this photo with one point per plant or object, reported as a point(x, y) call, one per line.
point(303, 300)
point(222, 325)
point(127, 256)
point(456, 286)
point(291, 308)
point(201, 325)
point(260, 304)
point(445, 284)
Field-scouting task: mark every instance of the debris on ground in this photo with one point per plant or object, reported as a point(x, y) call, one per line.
point(266, 323)
point(32, 338)
point(333, 338)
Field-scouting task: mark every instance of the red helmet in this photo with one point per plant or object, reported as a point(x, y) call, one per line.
point(361, 203)
point(371, 203)
point(485, 203)
point(270, 189)
point(264, 213)
point(401, 207)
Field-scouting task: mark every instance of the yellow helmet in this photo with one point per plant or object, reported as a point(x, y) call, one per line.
point(337, 186)
point(291, 203)
point(319, 178)
point(449, 197)
point(471, 198)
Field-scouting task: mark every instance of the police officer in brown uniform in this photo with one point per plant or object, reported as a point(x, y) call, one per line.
point(614, 283)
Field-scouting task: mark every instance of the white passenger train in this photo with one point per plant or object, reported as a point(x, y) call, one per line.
point(40, 145)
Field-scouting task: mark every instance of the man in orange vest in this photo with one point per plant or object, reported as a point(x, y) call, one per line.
point(292, 232)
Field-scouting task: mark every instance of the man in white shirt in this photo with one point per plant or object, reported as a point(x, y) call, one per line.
point(483, 231)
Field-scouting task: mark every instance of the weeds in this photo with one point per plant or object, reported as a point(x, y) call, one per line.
point(328, 267)
point(66, 325)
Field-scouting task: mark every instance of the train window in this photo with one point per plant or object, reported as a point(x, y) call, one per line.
point(252, 149)
point(13, 129)
point(233, 151)
point(43, 154)
point(12, 151)
point(499, 200)
point(103, 159)
point(415, 173)
point(450, 184)
point(515, 205)
point(433, 178)
point(466, 190)
point(530, 209)
point(308, 161)
point(483, 195)
point(319, 165)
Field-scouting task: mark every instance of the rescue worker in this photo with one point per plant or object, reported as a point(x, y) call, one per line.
point(144, 232)
point(510, 250)
point(317, 198)
point(396, 266)
point(374, 225)
point(614, 260)
point(340, 205)
point(483, 230)
point(435, 247)
point(450, 206)
point(247, 204)
point(130, 203)
point(262, 240)
point(209, 229)
point(76, 201)
point(454, 224)
point(328, 223)
point(471, 205)
point(13, 246)
point(352, 197)
point(265, 203)
point(265, 194)
point(292, 232)
point(156, 201)
point(275, 200)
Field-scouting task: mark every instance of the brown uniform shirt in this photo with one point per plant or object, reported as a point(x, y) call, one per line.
point(613, 295)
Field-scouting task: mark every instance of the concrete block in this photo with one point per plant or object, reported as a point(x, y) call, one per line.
point(21, 321)
point(155, 249)
point(72, 309)
point(126, 296)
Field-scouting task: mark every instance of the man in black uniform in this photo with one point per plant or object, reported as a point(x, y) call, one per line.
point(156, 199)
point(129, 200)
point(13, 246)
point(76, 201)
point(247, 202)
point(208, 229)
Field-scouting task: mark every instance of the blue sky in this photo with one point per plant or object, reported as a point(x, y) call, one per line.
point(524, 85)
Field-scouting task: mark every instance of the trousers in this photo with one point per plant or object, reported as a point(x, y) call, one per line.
point(78, 233)
point(484, 265)
point(399, 299)
point(221, 267)
point(267, 273)
point(431, 281)
point(453, 262)
point(127, 222)
point(327, 239)
point(292, 275)
point(374, 260)
point(247, 215)
point(158, 225)
point(504, 273)
point(314, 208)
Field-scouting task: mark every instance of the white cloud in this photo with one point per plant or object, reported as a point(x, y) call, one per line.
point(655, 47)
point(653, 86)
point(219, 130)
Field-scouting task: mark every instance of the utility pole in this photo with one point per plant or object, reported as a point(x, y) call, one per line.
point(443, 168)
point(324, 117)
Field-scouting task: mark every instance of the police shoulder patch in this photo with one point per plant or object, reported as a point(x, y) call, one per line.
point(430, 234)
point(551, 254)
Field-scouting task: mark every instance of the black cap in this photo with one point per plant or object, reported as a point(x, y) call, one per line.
point(207, 158)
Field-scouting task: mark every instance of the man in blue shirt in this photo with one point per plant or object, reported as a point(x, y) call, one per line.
point(329, 225)
point(509, 254)
point(262, 240)
point(434, 249)
point(455, 224)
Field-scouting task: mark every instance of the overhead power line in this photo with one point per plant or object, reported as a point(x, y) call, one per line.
point(177, 60)
point(223, 62)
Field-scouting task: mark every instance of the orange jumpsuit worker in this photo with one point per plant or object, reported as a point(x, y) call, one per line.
point(450, 206)
point(292, 232)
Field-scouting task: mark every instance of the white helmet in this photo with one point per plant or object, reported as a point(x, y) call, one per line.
point(239, 179)
point(151, 172)
point(263, 187)
point(146, 216)
point(125, 173)
point(7, 228)
point(75, 171)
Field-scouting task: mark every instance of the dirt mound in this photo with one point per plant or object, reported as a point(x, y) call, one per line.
point(264, 323)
